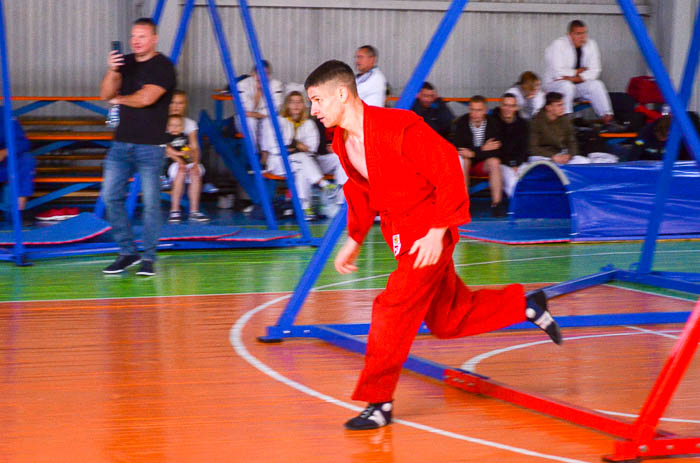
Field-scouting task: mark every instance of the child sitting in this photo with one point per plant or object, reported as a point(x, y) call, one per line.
point(185, 169)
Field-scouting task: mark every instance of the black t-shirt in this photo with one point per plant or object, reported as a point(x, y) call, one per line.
point(145, 126)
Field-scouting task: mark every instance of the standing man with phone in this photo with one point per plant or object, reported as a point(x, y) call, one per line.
point(141, 84)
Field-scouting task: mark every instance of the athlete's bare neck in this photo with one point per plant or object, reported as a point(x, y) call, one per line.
point(352, 122)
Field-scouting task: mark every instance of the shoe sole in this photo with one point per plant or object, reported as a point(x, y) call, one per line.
point(145, 274)
point(112, 272)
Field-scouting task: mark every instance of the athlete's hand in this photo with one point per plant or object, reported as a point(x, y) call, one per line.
point(429, 248)
point(345, 259)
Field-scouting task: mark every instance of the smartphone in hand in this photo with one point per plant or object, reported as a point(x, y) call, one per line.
point(117, 46)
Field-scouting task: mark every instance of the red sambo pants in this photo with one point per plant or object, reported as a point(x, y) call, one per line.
point(450, 310)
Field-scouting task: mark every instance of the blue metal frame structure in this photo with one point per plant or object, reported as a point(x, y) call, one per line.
point(686, 282)
point(18, 254)
point(343, 335)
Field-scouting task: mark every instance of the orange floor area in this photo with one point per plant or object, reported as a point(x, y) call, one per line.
point(168, 379)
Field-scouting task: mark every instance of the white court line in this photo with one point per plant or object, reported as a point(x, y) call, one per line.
point(470, 365)
point(657, 333)
point(237, 342)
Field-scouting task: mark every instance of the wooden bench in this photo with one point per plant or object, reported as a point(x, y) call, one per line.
point(69, 136)
point(62, 122)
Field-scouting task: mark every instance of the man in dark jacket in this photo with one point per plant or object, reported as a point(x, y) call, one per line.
point(477, 137)
point(433, 110)
point(514, 140)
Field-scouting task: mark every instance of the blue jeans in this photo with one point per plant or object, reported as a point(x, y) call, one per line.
point(122, 161)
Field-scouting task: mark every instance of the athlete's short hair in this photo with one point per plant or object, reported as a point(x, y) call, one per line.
point(333, 71)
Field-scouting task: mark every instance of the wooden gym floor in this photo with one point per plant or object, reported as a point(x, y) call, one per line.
point(167, 369)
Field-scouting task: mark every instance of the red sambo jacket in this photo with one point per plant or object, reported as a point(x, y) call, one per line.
point(415, 179)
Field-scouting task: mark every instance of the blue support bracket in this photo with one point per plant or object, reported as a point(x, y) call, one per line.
point(30, 107)
point(181, 31)
point(240, 111)
point(672, 146)
point(265, 85)
point(337, 226)
point(58, 194)
point(19, 253)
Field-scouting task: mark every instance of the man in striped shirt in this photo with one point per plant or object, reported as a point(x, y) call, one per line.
point(477, 137)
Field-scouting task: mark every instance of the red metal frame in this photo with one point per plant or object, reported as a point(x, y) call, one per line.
point(642, 438)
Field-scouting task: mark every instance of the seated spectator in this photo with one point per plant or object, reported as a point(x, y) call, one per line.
point(186, 168)
point(328, 161)
point(552, 135)
point(433, 110)
point(25, 162)
point(573, 69)
point(528, 93)
point(514, 140)
point(477, 139)
point(253, 100)
point(302, 138)
point(371, 83)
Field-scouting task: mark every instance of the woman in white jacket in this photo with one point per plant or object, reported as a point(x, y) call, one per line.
point(301, 137)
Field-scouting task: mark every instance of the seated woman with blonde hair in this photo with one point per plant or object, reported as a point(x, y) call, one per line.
point(301, 137)
point(528, 93)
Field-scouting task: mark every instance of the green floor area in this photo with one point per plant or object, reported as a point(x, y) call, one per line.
point(273, 270)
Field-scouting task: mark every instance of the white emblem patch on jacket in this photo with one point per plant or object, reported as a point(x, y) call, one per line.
point(397, 244)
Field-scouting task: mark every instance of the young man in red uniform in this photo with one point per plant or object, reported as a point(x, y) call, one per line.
point(401, 169)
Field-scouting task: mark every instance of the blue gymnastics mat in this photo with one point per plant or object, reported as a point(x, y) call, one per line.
point(523, 231)
point(81, 228)
point(191, 231)
point(259, 235)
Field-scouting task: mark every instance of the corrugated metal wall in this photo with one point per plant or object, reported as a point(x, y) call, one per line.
point(57, 47)
point(60, 47)
point(484, 55)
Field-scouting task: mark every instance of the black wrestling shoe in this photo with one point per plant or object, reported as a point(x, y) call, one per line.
point(538, 314)
point(374, 416)
point(122, 263)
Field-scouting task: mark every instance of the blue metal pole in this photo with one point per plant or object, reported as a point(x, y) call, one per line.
point(158, 11)
point(431, 53)
point(672, 146)
point(181, 31)
point(265, 84)
point(19, 251)
point(662, 79)
point(240, 111)
point(312, 272)
point(336, 228)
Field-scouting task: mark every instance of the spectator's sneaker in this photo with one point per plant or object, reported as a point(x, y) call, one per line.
point(498, 210)
point(209, 188)
point(50, 215)
point(374, 416)
point(309, 214)
point(70, 212)
point(175, 217)
point(198, 217)
point(147, 269)
point(536, 312)
point(330, 191)
point(122, 263)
